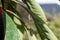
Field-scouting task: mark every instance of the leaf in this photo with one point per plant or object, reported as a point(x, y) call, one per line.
point(17, 21)
point(11, 29)
point(12, 32)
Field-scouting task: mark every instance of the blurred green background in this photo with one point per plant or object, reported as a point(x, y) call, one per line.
point(52, 12)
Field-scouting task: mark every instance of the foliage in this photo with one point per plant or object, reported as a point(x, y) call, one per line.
point(16, 28)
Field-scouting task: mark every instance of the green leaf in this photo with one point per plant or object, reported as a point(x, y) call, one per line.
point(12, 33)
point(17, 21)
